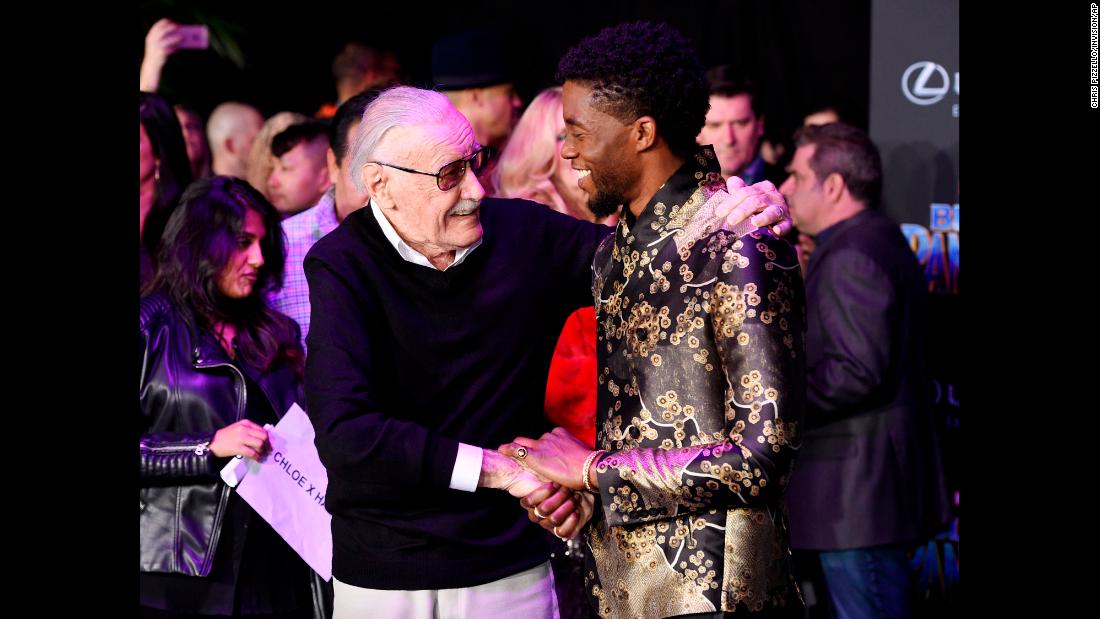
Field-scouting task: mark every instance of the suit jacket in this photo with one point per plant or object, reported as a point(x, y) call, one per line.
point(869, 470)
point(701, 386)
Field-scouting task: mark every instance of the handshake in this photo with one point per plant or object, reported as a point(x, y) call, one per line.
point(546, 476)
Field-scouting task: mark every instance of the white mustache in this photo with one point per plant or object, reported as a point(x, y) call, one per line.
point(465, 207)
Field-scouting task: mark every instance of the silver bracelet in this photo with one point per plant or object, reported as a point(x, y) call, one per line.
point(587, 466)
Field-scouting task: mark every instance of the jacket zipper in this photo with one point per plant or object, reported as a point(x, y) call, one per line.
point(244, 386)
point(200, 449)
point(216, 537)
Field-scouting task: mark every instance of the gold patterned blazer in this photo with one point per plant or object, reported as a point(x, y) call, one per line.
point(701, 388)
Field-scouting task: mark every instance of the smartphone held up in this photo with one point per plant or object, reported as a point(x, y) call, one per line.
point(193, 36)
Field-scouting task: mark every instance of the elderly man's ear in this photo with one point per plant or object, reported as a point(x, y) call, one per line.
point(377, 187)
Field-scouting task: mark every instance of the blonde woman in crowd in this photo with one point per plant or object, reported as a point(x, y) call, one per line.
point(260, 160)
point(531, 165)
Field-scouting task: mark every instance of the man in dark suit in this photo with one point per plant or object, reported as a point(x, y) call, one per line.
point(735, 126)
point(868, 483)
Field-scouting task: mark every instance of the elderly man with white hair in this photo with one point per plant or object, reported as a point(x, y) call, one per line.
point(435, 313)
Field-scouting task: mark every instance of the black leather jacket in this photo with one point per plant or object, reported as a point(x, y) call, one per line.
point(189, 390)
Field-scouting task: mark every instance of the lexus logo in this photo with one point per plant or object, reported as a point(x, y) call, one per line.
point(925, 83)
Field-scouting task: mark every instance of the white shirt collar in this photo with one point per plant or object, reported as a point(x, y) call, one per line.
point(408, 253)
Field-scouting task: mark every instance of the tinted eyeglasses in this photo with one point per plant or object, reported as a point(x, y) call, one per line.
point(449, 176)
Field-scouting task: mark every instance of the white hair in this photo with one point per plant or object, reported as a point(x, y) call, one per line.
point(400, 106)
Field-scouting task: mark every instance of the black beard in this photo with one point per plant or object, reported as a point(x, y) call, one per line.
point(605, 203)
point(611, 191)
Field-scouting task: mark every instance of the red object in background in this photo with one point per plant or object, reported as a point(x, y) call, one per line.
point(571, 386)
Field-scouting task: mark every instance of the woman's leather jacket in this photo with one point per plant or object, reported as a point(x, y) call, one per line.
point(189, 390)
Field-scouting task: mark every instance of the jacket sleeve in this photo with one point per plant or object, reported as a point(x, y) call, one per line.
point(571, 244)
point(856, 305)
point(172, 456)
point(357, 437)
point(755, 314)
point(168, 456)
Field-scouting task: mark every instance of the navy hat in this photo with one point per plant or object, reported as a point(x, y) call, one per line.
point(471, 59)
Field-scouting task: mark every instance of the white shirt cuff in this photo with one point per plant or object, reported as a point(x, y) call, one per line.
point(467, 468)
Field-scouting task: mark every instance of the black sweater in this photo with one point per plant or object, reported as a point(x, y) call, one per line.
point(406, 361)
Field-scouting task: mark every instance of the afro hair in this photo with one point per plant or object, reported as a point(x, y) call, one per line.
point(644, 69)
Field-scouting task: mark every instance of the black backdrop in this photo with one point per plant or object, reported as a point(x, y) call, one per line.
point(800, 50)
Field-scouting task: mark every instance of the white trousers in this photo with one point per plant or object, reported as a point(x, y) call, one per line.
point(526, 595)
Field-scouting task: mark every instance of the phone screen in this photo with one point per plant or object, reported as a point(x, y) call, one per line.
point(194, 36)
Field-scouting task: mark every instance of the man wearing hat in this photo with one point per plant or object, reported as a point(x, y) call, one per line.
point(471, 69)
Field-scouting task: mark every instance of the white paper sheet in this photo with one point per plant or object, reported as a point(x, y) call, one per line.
point(288, 489)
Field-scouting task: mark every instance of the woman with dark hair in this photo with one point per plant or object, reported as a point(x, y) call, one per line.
point(217, 363)
point(164, 172)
